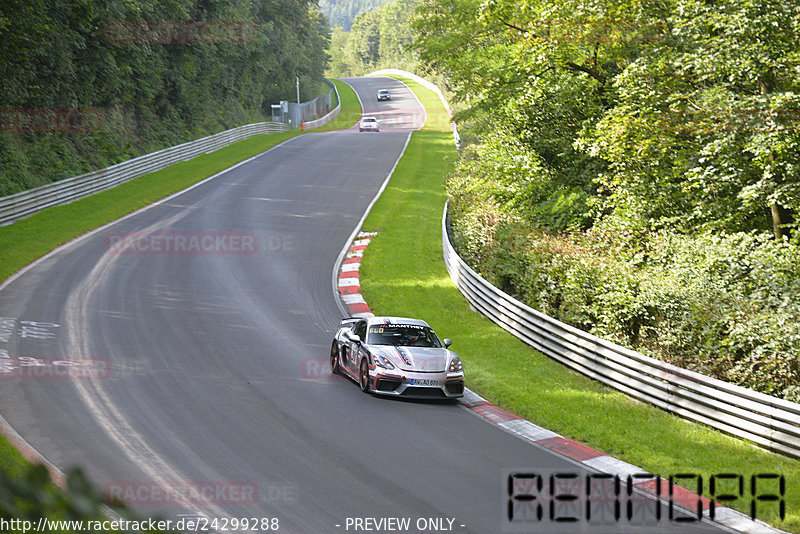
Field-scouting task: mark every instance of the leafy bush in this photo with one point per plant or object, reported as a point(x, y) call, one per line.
point(31, 496)
point(622, 163)
point(724, 305)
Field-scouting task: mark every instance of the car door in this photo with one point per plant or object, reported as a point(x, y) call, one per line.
point(354, 348)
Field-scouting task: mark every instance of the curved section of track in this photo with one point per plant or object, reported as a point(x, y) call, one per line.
point(218, 361)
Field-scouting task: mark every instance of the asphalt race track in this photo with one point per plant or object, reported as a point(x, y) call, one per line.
point(216, 370)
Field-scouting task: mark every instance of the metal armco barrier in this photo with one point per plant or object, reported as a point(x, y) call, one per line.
point(26, 203)
point(765, 420)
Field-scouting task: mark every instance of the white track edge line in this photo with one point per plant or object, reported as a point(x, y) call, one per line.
point(357, 229)
point(7, 428)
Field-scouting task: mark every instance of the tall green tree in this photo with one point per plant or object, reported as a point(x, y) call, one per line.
point(533, 78)
point(705, 133)
point(378, 39)
point(365, 39)
point(627, 166)
point(342, 13)
point(84, 54)
point(396, 34)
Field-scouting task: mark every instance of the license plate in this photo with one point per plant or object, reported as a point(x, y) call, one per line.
point(424, 382)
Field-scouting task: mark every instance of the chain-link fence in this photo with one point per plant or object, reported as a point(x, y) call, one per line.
point(294, 115)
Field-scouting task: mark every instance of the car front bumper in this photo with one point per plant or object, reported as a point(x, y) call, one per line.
point(417, 385)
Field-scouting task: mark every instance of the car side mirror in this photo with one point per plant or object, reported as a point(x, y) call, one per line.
point(447, 342)
point(352, 337)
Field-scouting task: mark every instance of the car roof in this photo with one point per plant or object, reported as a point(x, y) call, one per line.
point(395, 320)
point(383, 90)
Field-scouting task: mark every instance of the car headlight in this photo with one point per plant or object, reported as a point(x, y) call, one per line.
point(455, 365)
point(380, 361)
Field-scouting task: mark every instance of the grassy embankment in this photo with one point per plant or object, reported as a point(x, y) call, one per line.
point(403, 274)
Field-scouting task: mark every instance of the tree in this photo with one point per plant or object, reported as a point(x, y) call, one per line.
point(365, 39)
point(340, 63)
point(710, 114)
point(396, 35)
point(96, 54)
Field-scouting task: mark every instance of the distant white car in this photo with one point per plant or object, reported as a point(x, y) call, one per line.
point(368, 124)
point(384, 94)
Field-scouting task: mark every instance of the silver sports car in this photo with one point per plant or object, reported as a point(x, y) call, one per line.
point(397, 356)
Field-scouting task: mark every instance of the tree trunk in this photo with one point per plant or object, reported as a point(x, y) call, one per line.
point(780, 216)
point(776, 221)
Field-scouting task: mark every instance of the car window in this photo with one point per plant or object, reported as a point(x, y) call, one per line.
point(404, 335)
point(360, 329)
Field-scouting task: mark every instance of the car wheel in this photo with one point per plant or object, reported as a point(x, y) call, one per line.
point(335, 359)
point(363, 376)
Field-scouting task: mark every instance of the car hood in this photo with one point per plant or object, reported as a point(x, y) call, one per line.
point(428, 359)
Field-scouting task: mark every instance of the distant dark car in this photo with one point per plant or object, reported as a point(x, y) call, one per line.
point(384, 94)
point(397, 356)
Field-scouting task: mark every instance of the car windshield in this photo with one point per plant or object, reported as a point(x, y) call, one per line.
point(369, 119)
point(383, 92)
point(404, 335)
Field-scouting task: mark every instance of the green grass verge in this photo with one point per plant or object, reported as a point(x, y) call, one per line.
point(11, 461)
point(403, 274)
point(29, 239)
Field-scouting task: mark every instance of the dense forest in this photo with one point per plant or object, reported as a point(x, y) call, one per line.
point(342, 13)
point(633, 168)
point(88, 83)
point(381, 38)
